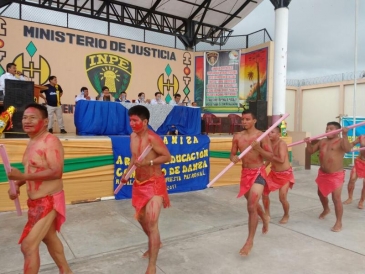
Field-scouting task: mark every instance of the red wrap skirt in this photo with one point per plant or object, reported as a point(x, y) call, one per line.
point(329, 182)
point(40, 208)
point(144, 191)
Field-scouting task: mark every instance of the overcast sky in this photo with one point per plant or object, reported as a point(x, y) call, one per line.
point(321, 38)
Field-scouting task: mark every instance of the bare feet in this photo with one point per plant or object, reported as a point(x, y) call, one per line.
point(337, 227)
point(348, 201)
point(265, 226)
point(246, 249)
point(324, 213)
point(147, 253)
point(284, 220)
point(151, 270)
point(360, 204)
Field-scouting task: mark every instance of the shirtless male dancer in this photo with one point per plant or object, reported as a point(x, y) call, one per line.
point(358, 171)
point(149, 192)
point(281, 174)
point(331, 174)
point(43, 168)
point(253, 175)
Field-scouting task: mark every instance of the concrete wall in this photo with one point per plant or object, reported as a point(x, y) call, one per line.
point(311, 107)
point(318, 104)
point(360, 100)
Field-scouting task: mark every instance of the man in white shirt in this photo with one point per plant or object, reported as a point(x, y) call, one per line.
point(10, 74)
point(142, 99)
point(84, 95)
point(158, 100)
point(176, 101)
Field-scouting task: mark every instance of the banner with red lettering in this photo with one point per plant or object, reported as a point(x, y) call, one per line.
point(222, 78)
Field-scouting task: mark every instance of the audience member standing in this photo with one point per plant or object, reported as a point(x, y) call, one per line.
point(53, 102)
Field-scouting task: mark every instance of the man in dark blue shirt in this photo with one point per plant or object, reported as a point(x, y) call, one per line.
point(122, 98)
point(53, 101)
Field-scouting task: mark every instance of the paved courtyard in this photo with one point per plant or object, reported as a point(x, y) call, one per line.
point(202, 233)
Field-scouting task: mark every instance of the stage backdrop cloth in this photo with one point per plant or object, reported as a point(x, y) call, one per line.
point(187, 171)
point(111, 118)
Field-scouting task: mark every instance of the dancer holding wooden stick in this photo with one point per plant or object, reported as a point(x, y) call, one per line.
point(281, 174)
point(43, 165)
point(253, 175)
point(149, 188)
point(331, 174)
point(358, 171)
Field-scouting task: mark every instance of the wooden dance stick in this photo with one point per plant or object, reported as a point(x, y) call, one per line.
point(326, 134)
point(133, 168)
point(358, 149)
point(7, 168)
point(262, 136)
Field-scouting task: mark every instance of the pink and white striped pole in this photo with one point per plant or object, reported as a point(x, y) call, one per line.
point(326, 134)
point(7, 168)
point(243, 153)
point(133, 168)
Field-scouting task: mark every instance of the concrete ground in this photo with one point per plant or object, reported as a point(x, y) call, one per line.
point(202, 233)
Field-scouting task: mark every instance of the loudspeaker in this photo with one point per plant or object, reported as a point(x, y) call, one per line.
point(18, 94)
point(259, 108)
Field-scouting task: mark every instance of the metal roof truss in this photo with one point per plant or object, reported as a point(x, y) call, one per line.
point(190, 32)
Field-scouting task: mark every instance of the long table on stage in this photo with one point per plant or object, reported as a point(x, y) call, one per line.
point(111, 118)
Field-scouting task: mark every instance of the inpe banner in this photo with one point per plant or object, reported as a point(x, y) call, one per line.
point(222, 78)
point(348, 121)
point(187, 171)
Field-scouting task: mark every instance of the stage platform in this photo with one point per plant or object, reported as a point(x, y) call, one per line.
point(89, 167)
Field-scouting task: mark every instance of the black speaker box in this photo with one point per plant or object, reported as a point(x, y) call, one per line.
point(259, 108)
point(18, 94)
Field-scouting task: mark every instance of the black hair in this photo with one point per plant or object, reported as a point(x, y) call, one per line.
point(9, 65)
point(249, 112)
point(84, 88)
point(177, 95)
point(104, 88)
point(141, 111)
point(157, 93)
point(336, 124)
point(140, 94)
point(41, 108)
point(50, 78)
point(123, 92)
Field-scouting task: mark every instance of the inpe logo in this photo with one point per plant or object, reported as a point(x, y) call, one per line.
point(109, 70)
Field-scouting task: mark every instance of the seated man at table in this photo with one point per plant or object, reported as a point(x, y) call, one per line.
point(158, 100)
point(105, 95)
point(176, 101)
point(84, 95)
point(142, 99)
point(122, 98)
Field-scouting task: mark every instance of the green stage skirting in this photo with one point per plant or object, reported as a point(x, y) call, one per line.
point(70, 165)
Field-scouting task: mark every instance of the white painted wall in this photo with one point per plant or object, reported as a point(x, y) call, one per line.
point(360, 100)
point(320, 106)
